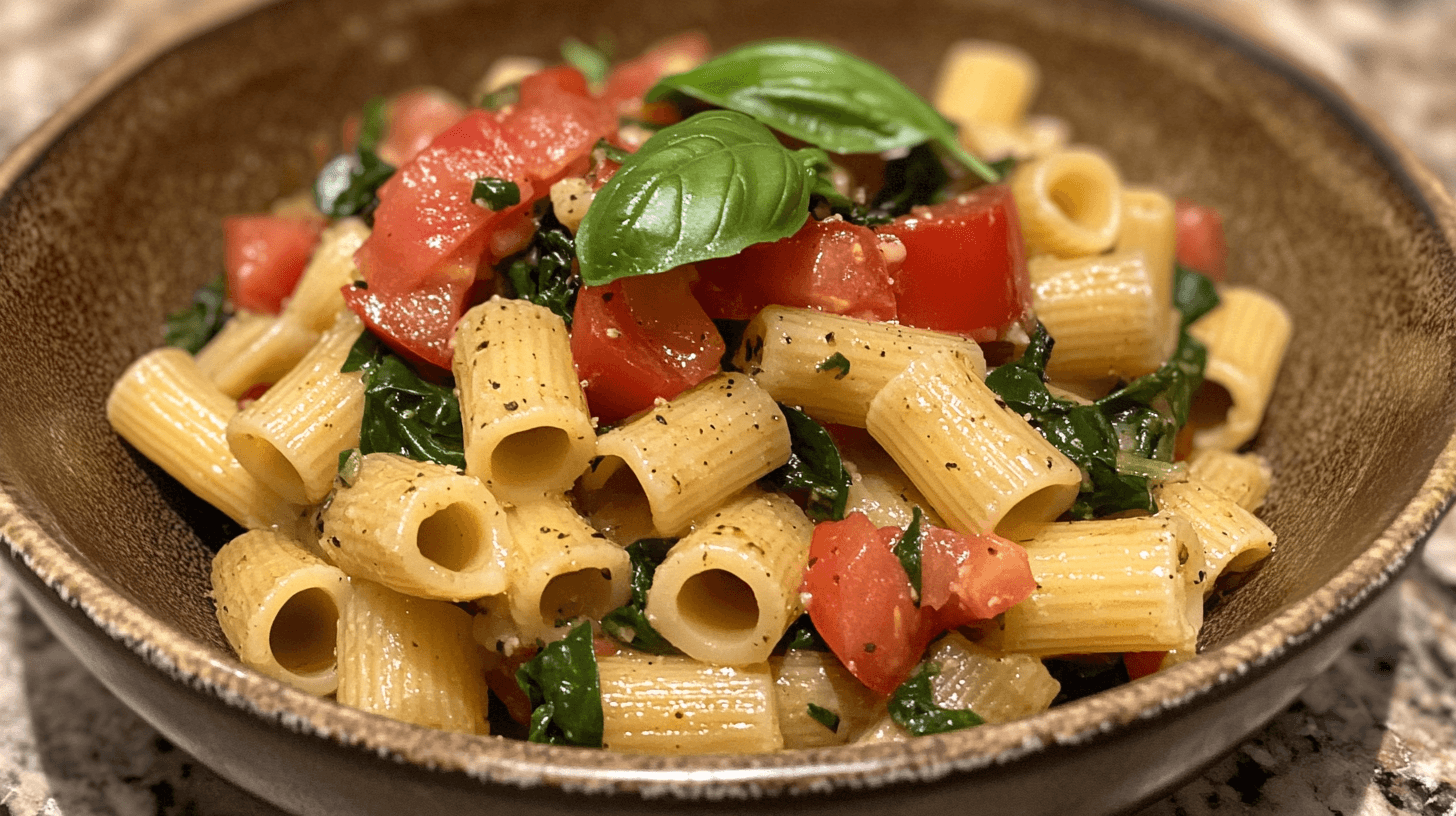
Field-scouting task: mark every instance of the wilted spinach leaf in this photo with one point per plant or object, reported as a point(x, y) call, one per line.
point(349, 183)
point(628, 623)
point(914, 709)
point(545, 274)
point(565, 691)
point(908, 549)
point(403, 413)
point(815, 466)
point(192, 326)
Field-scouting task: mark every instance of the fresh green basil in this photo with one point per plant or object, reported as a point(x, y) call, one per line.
point(611, 152)
point(823, 95)
point(825, 717)
point(1193, 293)
point(349, 183)
point(403, 413)
point(801, 634)
point(914, 709)
point(192, 326)
point(544, 274)
point(814, 466)
point(592, 62)
point(706, 187)
point(495, 194)
point(350, 462)
point(837, 363)
point(628, 623)
point(565, 691)
point(908, 549)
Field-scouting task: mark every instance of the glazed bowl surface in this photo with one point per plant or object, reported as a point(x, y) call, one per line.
point(109, 220)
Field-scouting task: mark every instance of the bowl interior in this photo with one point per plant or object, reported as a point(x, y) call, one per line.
point(117, 223)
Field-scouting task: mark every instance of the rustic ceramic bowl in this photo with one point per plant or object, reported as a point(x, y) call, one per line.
point(109, 219)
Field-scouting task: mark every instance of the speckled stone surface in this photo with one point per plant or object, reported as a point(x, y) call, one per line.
point(1376, 734)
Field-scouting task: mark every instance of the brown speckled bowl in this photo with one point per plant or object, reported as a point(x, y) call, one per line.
point(109, 219)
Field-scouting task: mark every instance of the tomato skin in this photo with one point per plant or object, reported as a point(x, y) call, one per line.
point(1142, 664)
point(419, 324)
point(831, 265)
point(1200, 242)
point(965, 265)
point(412, 119)
point(638, 339)
point(629, 81)
point(265, 256)
point(966, 578)
point(859, 595)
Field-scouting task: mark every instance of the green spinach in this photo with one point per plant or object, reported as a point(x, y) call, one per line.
point(545, 273)
point(403, 413)
point(908, 549)
point(565, 691)
point(814, 466)
point(914, 709)
point(825, 717)
point(349, 183)
point(192, 326)
point(628, 623)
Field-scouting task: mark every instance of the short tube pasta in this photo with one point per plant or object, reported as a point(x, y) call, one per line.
point(1105, 315)
point(803, 677)
point(1233, 539)
point(560, 569)
point(672, 705)
point(279, 607)
point(982, 81)
point(290, 438)
point(728, 590)
point(1243, 477)
point(658, 472)
point(1070, 203)
point(527, 429)
point(167, 410)
point(790, 352)
point(1246, 335)
point(983, 468)
point(411, 659)
point(316, 300)
point(1149, 226)
point(419, 528)
point(254, 349)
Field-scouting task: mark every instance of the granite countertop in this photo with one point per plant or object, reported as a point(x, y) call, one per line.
point(1376, 734)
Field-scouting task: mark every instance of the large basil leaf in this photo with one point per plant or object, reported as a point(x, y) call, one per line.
point(706, 187)
point(823, 95)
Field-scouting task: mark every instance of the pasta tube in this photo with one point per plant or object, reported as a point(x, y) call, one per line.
point(1246, 335)
point(676, 705)
point(561, 569)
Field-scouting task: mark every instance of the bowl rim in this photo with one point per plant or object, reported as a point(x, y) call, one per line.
point(493, 760)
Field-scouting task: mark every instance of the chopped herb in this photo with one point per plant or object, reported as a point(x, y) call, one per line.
point(500, 97)
point(192, 326)
point(565, 691)
point(908, 549)
point(594, 63)
point(1004, 167)
point(835, 362)
point(545, 273)
point(349, 183)
point(815, 466)
point(611, 152)
point(349, 463)
point(403, 413)
point(914, 709)
point(1193, 293)
point(628, 623)
point(495, 194)
point(801, 634)
point(825, 717)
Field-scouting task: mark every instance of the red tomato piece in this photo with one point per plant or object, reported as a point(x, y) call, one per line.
point(965, 265)
point(965, 578)
point(831, 265)
point(1200, 241)
point(859, 600)
point(637, 339)
point(1142, 664)
point(265, 256)
point(546, 84)
point(419, 324)
point(629, 81)
point(251, 396)
point(412, 119)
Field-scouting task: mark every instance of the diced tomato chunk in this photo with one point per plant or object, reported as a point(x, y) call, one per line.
point(629, 81)
point(1142, 664)
point(1201, 244)
point(265, 256)
point(412, 119)
point(418, 324)
point(860, 602)
point(965, 266)
point(637, 339)
point(544, 85)
point(830, 265)
point(965, 578)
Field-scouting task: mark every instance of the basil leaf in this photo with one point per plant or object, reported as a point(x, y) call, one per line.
point(372, 124)
point(565, 691)
point(500, 97)
point(592, 62)
point(801, 634)
point(914, 709)
point(1193, 293)
point(825, 717)
point(192, 326)
point(822, 95)
point(495, 194)
point(628, 623)
point(706, 187)
point(908, 549)
point(815, 466)
point(836, 362)
point(403, 413)
point(545, 273)
point(349, 183)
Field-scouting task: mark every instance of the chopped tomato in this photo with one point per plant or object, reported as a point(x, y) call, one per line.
point(425, 212)
point(265, 256)
point(860, 602)
point(965, 578)
point(638, 339)
point(419, 324)
point(500, 676)
point(1200, 241)
point(965, 266)
point(412, 119)
point(629, 81)
point(831, 265)
point(1142, 664)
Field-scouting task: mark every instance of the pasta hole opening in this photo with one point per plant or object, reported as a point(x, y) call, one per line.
point(1037, 509)
point(583, 593)
point(268, 465)
point(1211, 406)
point(717, 601)
point(304, 633)
point(619, 506)
point(451, 537)
point(1075, 195)
point(530, 456)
